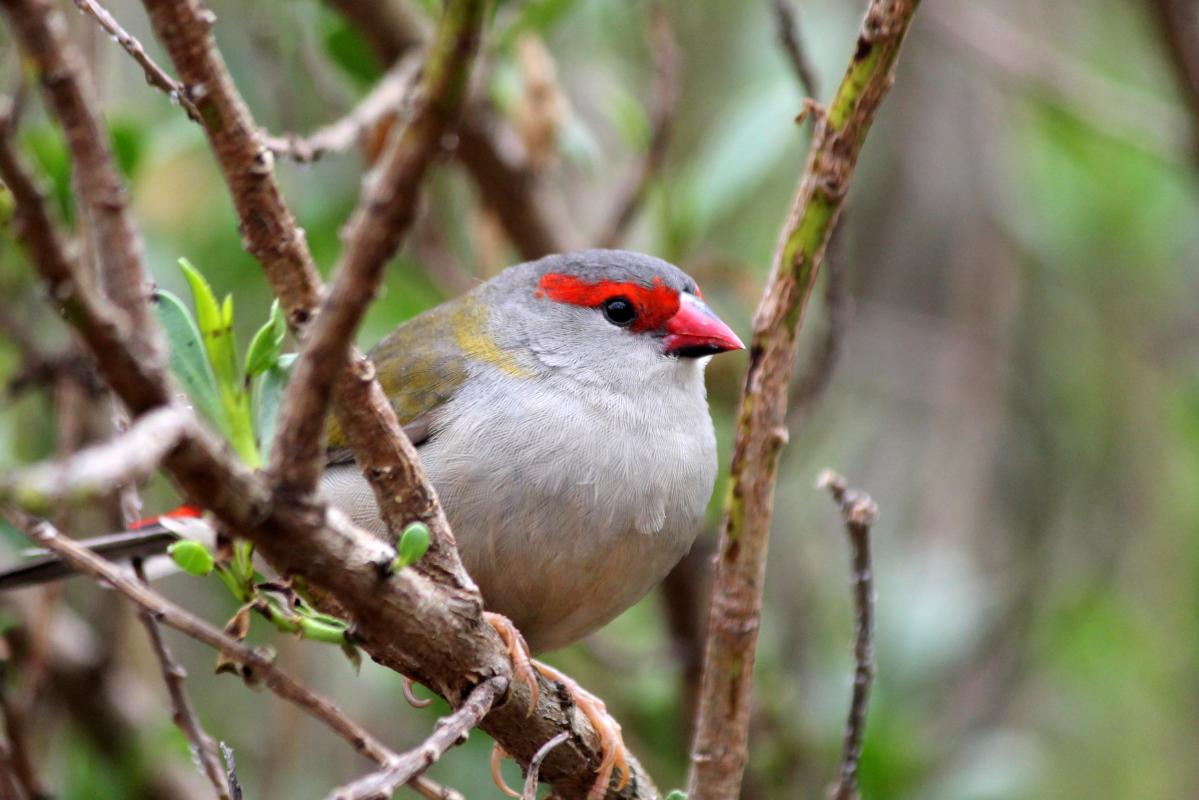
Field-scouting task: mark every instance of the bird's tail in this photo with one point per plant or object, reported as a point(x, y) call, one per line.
point(145, 538)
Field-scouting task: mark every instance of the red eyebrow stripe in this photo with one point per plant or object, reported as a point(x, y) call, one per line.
point(655, 304)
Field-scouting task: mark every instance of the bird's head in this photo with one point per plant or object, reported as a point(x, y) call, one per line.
point(602, 313)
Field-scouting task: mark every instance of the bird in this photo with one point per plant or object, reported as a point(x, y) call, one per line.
point(560, 412)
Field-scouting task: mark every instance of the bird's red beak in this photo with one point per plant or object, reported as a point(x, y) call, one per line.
point(696, 331)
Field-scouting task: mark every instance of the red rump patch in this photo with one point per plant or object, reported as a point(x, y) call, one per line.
point(180, 512)
point(655, 304)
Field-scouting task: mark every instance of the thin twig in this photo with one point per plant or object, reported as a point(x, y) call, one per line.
point(127, 459)
point(39, 28)
point(385, 98)
point(859, 513)
point(19, 766)
point(531, 774)
point(663, 105)
point(720, 745)
point(256, 663)
point(786, 23)
point(156, 76)
point(448, 732)
point(204, 747)
point(230, 771)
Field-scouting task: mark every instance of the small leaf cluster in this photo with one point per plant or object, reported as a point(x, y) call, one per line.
point(240, 397)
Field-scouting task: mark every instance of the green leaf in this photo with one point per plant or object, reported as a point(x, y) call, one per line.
point(191, 556)
point(267, 344)
point(414, 543)
point(269, 397)
point(677, 795)
point(188, 361)
point(215, 325)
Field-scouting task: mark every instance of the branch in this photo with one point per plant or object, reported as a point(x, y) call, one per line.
point(97, 321)
point(719, 747)
point(530, 789)
point(19, 767)
point(203, 746)
point(490, 150)
point(384, 212)
point(499, 165)
point(385, 98)
point(127, 459)
point(39, 28)
point(269, 231)
point(859, 512)
point(255, 662)
point(664, 103)
point(383, 216)
point(449, 731)
point(786, 23)
point(1179, 24)
point(405, 621)
point(156, 76)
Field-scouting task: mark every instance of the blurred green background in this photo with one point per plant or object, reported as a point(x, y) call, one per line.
point(1017, 387)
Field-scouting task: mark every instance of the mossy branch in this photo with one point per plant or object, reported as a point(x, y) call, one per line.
point(720, 745)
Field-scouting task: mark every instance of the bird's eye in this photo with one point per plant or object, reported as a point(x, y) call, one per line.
point(619, 311)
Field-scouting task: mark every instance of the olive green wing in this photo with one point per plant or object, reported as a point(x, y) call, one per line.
point(419, 365)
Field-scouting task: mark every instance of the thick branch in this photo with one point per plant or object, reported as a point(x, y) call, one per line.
point(859, 513)
point(128, 459)
point(39, 28)
point(664, 101)
point(449, 731)
point(720, 745)
point(269, 231)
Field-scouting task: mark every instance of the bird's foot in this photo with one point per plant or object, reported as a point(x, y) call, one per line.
point(611, 743)
point(518, 651)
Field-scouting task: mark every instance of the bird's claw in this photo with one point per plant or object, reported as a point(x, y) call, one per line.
point(518, 651)
point(497, 757)
point(611, 743)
